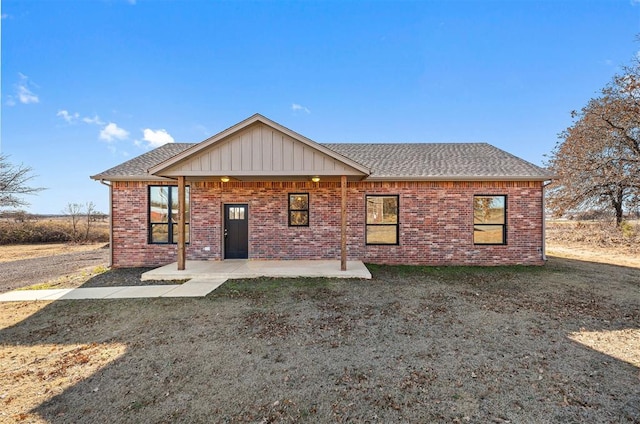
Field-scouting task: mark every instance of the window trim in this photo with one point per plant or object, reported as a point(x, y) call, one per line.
point(170, 223)
point(397, 224)
point(504, 225)
point(307, 210)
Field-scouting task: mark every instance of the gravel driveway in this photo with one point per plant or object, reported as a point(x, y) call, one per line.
point(27, 272)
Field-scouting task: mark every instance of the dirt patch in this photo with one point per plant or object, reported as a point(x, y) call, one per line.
point(85, 267)
point(29, 251)
point(414, 344)
point(60, 271)
point(599, 255)
point(594, 241)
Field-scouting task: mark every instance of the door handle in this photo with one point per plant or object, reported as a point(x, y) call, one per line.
point(225, 232)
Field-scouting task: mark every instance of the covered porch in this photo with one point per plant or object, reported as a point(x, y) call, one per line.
point(257, 150)
point(244, 268)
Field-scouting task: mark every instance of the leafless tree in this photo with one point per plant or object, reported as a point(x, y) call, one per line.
point(90, 210)
point(74, 212)
point(597, 159)
point(13, 183)
point(620, 108)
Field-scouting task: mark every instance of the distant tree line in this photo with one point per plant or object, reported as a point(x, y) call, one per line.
point(18, 226)
point(79, 223)
point(82, 215)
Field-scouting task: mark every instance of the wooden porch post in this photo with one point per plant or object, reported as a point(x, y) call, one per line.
point(343, 227)
point(181, 224)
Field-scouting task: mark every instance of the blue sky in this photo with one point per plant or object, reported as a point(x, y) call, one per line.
point(87, 85)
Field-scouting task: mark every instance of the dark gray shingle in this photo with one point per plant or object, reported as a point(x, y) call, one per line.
point(437, 160)
point(388, 160)
point(138, 166)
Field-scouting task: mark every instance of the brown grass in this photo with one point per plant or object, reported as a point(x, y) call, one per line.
point(51, 230)
point(558, 343)
point(416, 344)
point(29, 251)
point(595, 241)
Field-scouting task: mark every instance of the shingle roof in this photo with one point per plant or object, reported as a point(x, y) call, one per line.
point(438, 160)
point(137, 167)
point(386, 161)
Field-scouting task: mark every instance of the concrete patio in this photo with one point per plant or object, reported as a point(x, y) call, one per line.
point(243, 268)
point(204, 277)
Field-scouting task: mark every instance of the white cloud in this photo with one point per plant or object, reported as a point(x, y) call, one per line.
point(299, 108)
point(64, 114)
point(95, 120)
point(26, 96)
point(112, 132)
point(157, 138)
point(23, 93)
point(74, 117)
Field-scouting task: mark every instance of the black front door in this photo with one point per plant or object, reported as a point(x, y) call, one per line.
point(236, 232)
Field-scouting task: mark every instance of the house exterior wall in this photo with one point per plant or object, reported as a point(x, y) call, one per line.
point(436, 223)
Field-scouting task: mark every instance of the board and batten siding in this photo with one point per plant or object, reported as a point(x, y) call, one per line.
point(260, 150)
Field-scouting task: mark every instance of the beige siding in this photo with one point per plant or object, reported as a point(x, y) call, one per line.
point(260, 150)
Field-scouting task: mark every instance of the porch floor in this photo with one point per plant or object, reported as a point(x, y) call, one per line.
point(243, 268)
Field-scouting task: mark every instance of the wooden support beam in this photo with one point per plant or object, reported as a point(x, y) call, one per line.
point(181, 224)
point(343, 226)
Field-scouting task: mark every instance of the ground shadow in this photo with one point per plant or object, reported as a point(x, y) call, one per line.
point(117, 277)
point(483, 344)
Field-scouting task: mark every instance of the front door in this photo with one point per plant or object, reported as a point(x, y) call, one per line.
point(236, 232)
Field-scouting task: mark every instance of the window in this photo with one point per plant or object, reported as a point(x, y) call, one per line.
point(299, 209)
point(490, 219)
point(163, 214)
point(382, 220)
point(235, 213)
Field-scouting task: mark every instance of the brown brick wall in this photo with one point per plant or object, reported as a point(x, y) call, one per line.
point(436, 223)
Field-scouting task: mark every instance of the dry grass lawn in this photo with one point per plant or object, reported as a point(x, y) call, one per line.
point(595, 241)
point(29, 251)
point(554, 344)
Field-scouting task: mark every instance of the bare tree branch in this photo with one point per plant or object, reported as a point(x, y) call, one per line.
point(13, 183)
point(597, 159)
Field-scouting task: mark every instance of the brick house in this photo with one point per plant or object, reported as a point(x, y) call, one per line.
point(258, 190)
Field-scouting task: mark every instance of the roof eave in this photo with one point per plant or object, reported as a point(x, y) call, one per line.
point(100, 177)
point(459, 178)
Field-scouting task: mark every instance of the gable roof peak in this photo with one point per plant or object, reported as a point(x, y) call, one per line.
point(161, 168)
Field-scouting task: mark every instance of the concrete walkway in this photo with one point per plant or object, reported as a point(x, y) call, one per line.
point(204, 277)
point(192, 288)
